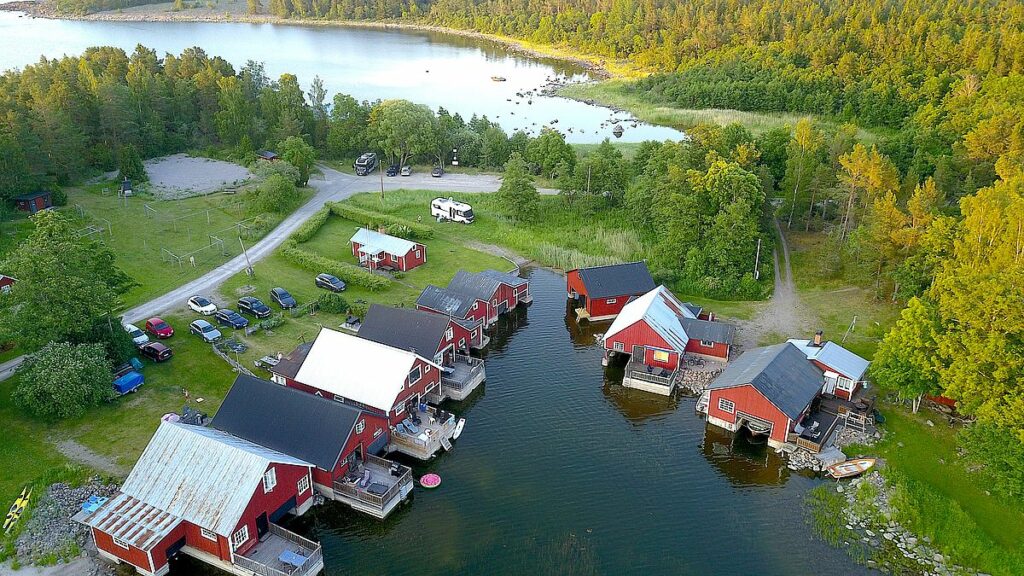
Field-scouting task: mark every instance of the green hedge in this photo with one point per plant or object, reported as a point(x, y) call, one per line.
point(317, 263)
point(310, 227)
point(374, 219)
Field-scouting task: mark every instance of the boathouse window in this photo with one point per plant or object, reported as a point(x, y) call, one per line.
point(618, 346)
point(208, 534)
point(240, 537)
point(414, 375)
point(339, 398)
point(303, 484)
point(449, 333)
point(360, 426)
point(269, 480)
point(474, 305)
point(121, 543)
point(462, 343)
point(660, 356)
point(726, 405)
point(707, 343)
point(399, 409)
point(610, 301)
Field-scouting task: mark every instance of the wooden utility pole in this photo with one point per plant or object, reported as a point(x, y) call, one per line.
point(757, 261)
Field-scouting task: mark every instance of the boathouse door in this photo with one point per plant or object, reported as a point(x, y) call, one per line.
point(262, 525)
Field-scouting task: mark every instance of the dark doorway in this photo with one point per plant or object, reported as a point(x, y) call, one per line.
point(175, 548)
point(262, 525)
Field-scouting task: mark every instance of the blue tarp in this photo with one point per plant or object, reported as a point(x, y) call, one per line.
point(129, 382)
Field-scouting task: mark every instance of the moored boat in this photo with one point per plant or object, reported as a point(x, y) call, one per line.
point(498, 78)
point(850, 468)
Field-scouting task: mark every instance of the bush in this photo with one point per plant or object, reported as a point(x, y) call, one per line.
point(59, 197)
point(332, 303)
point(264, 169)
point(359, 309)
point(63, 380)
point(276, 194)
point(258, 227)
point(348, 272)
point(311, 226)
point(375, 219)
point(272, 322)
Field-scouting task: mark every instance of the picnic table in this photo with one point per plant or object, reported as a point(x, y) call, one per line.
point(293, 558)
point(266, 362)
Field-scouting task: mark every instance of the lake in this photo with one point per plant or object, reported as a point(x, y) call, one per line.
point(560, 470)
point(431, 68)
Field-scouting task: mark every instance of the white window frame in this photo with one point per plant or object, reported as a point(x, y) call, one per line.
point(419, 375)
point(339, 398)
point(121, 543)
point(656, 353)
point(726, 405)
point(475, 304)
point(462, 342)
point(269, 480)
point(208, 534)
point(378, 432)
point(449, 333)
point(360, 426)
point(426, 368)
point(610, 301)
point(618, 347)
point(707, 343)
point(398, 409)
point(241, 536)
point(845, 384)
point(303, 484)
point(417, 253)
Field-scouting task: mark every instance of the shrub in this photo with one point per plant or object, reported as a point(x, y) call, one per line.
point(359, 309)
point(376, 219)
point(348, 272)
point(62, 380)
point(258, 227)
point(272, 322)
point(276, 194)
point(332, 303)
point(311, 226)
point(59, 197)
point(264, 169)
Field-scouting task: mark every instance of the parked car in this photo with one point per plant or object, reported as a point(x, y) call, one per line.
point(406, 170)
point(157, 327)
point(365, 164)
point(392, 170)
point(328, 282)
point(156, 351)
point(283, 298)
point(202, 305)
point(227, 317)
point(437, 172)
point(253, 305)
point(208, 332)
point(138, 336)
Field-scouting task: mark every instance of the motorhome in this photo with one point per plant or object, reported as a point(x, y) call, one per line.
point(365, 164)
point(448, 209)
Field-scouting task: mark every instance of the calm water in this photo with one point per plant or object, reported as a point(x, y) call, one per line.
point(430, 68)
point(559, 472)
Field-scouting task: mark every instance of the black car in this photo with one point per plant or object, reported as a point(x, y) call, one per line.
point(393, 170)
point(328, 282)
point(156, 352)
point(227, 317)
point(253, 305)
point(437, 172)
point(283, 298)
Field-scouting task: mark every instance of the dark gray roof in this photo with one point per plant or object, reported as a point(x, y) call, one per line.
point(617, 280)
point(506, 277)
point(301, 425)
point(445, 301)
point(710, 331)
point(288, 366)
point(781, 373)
point(405, 329)
point(693, 308)
point(477, 286)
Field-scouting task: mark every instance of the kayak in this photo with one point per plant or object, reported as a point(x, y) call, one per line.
point(458, 428)
point(430, 480)
point(850, 468)
point(17, 508)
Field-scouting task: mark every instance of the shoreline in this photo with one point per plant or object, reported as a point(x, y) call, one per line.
point(154, 13)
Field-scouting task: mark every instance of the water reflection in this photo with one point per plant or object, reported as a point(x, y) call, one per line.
point(635, 405)
point(584, 334)
point(743, 460)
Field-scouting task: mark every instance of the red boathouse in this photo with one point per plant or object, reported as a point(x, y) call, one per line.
point(377, 251)
point(602, 291)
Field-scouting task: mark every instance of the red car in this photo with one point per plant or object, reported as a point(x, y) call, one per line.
point(157, 327)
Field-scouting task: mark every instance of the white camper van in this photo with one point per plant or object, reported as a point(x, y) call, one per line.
point(448, 209)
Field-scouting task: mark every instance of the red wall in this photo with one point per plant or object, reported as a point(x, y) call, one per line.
point(132, 555)
point(159, 551)
point(458, 333)
point(600, 306)
point(6, 281)
point(640, 334)
point(670, 364)
point(194, 538)
point(403, 262)
point(749, 401)
point(288, 476)
point(366, 438)
point(718, 350)
point(429, 375)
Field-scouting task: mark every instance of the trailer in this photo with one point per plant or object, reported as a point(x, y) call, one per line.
point(128, 377)
point(443, 209)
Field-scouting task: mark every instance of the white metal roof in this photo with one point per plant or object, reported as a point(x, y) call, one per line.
point(358, 369)
point(204, 476)
point(835, 357)
point(374, 242)
point(131, 520)
point(662, 311)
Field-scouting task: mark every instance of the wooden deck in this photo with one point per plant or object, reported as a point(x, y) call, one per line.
point(466, 374)
point(389, 484)
point(434, 432)
point(263, 558)
point(655, 380)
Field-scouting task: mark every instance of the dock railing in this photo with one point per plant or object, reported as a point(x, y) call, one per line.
point(476, 367)
point(424, 449)
point(644, 376)
point(350, 490)
point(313, 558)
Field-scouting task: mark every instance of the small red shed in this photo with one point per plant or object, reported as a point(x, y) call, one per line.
point(768, 390)
point(207, 494)
point(471, 313)
point(376, 250)
point(34, 202)
point(5, 283)
point(844, 370)
point(602, 291)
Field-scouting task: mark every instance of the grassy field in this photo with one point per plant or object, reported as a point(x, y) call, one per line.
point(612, 93)
point(143, 230)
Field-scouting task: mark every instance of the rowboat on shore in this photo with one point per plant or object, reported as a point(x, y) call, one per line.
point(850, 468)
point(498, 78)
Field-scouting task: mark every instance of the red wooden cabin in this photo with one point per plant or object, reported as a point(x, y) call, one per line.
point(376, 250)
point(844, 370)
point(602, 291)
point(5, 283)
point(33, 202)
point(767, 390)
point(210, 495)
point(469, 312)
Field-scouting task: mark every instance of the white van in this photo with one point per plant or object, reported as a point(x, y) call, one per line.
point(449, 209)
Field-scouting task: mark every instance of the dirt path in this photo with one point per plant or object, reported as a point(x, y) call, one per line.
point(784, 315)
point(515, 259)
point(81, 566)
point(84, 455)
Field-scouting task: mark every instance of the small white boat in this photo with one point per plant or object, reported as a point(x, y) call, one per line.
point(850, 468)
point(458, 428)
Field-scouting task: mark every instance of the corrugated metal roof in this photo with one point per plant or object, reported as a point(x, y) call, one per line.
point(721, 332)
point(506, 277)
point(474, 285)
point(617, 279)
point(288, 366)
point(132, 521)
point(287, 420)
point(405, 329)
point(662, 312)
point(445, 301)
point(203, 476)
point(358, 369)
point(780, 372)
point(835, 357)
point(374, 242)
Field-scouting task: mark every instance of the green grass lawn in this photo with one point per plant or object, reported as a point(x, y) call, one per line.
point(613, 93)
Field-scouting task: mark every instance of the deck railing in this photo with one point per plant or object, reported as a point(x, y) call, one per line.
point(476, 367)
point(313, 558)
point(650, 378)
point(345, 488)
point(425, 448)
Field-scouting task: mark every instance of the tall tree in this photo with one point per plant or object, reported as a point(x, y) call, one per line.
point(517, 195)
